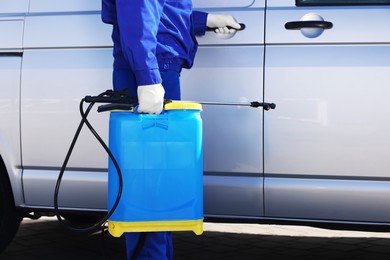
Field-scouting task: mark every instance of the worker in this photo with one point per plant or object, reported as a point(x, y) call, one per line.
point(153, 41)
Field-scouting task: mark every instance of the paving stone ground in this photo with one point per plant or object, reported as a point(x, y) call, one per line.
point(46, 239)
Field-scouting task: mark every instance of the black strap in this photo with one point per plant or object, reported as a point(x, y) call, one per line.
point(139, 246)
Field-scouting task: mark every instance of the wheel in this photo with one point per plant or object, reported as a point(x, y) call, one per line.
point(9, 217)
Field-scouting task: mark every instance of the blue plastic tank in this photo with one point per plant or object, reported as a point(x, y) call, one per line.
point(161, 160)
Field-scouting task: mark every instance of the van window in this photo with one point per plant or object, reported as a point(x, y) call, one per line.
point(340, 2)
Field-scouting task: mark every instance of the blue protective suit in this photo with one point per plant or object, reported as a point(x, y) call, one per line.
point(153, 41)
point(153, 35)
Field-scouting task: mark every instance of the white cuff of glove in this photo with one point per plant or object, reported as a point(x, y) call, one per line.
point(150, 99)
point(221, 22)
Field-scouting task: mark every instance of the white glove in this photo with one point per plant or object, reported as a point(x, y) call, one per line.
point(221, 22)
point(150, 99)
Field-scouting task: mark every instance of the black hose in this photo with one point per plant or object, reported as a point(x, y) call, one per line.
point(96, 227)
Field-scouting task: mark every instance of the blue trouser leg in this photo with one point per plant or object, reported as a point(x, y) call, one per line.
point(157, 245)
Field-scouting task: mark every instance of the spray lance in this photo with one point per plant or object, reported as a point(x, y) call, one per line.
point(115, 100)
point(121, 101)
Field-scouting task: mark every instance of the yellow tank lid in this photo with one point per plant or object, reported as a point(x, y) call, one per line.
point(183, 105)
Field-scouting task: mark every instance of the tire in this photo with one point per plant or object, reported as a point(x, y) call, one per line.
point(9, 217)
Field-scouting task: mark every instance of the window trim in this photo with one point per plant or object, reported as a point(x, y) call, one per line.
point(345, 3)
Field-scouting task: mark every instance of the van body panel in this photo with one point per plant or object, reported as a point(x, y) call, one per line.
point(55, 81)
point(66, 30)
point(47, 6)
point(230, 70)
point(10, 64)
point(321, 155)
point(326, 144)
point(80, 59)
point(350, 24)
point(11, 34)
point(13, 7)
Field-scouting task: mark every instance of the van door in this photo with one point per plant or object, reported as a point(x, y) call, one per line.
point(12, 15)
point(67, 55)
point(231, 70)
point(326, 145)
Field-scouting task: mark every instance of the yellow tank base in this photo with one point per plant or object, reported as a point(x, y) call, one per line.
point(116, 228)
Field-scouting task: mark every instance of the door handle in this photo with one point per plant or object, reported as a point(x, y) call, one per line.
point(243, 26)
point(297, 25)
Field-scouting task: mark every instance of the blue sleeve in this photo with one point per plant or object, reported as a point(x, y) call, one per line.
point(138, 22)
point(199, 22)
